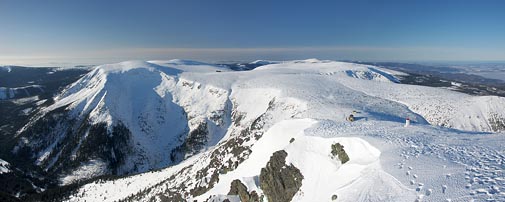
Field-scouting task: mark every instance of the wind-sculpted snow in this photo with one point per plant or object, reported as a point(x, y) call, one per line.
point(207, 128)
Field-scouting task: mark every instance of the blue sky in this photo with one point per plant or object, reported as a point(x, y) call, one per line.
point(216, 30)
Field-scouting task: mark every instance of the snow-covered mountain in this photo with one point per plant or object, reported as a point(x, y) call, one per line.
point(126, 118)
point(275, 133)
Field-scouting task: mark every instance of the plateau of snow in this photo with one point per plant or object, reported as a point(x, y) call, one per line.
point(452, 151)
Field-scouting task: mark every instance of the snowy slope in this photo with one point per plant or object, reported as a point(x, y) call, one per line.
point(442, 107)
point(300, 107)
point(4, 166)
point(9, 93)
point(148, 115)
point(264, 62)
point(438, 106)
point(5, 68)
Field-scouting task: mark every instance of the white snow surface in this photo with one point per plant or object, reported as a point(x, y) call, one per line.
point(4, 166)
point(6, 68)
point(264, 62)
point(306, 100)
point(88, 170)
point(8, 93)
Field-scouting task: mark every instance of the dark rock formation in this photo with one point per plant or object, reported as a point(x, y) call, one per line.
point(338, 150)
point(237, 188)
point(279, 181)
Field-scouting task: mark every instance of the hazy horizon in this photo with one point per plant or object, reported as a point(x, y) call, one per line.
point(33, 62)
point(96, 32)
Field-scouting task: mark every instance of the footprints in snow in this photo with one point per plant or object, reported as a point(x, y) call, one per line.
point(485, 172)
point(419, 186)
point(484, 175)
point(483, 180)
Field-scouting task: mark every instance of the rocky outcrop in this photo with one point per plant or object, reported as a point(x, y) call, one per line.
point(237, 188)
point(337, 150)
point(279, 181)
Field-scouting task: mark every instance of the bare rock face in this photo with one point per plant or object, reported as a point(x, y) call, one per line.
point(338, 150)
point(279, 181)
point(237, 188)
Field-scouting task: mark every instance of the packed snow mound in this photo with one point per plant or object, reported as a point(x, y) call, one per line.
point(325, 176)
point(4, 166)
